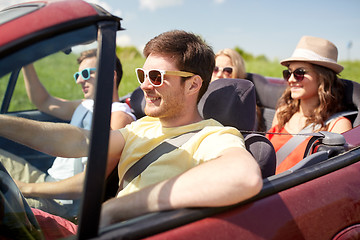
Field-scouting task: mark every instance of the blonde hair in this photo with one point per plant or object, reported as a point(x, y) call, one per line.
point(237, 61)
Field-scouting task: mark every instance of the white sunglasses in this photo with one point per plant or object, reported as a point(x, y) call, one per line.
point(156, 76)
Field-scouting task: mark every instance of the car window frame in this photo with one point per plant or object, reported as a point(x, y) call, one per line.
point(103, 29)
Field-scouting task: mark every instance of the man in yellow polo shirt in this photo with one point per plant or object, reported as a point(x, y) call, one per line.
point(211, 169)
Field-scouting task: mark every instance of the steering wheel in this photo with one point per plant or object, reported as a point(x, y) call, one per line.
point(17, 221)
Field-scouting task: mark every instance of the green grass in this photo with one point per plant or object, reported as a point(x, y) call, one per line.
point(129, 81)
point(56, 73)
point(351, 70)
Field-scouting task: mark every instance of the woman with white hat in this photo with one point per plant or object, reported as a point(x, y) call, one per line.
point(314, 94)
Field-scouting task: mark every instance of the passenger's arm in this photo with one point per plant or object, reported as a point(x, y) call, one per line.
point(229, 179)
point(120, 119)
point(39, 96)
point(57, 139)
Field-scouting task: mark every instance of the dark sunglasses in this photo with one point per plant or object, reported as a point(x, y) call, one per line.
point(227, 70)
point(298, 74)
point(85, 74)
point(156, 76)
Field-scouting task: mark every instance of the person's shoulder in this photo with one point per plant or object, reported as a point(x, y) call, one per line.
point(86, 103)
point(122, 107)
point(210, 122)
point(211, 126)
point(214, 138)
point(340, 125)
point(275, 129)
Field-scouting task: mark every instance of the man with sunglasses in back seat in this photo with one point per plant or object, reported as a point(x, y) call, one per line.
point(79, 112)
point(212, 168)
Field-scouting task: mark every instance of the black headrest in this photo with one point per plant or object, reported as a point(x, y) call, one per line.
point(267, 93)
point(137, 103)
point(232, 102)
point(352, 98)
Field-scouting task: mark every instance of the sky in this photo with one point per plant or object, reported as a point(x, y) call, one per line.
point(259, 27)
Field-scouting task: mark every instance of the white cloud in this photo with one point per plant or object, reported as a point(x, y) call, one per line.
point(219, 1)
point(156, 4)
point(140, 48)
point(106, 6)
point(123, 40)
point(102, 4)
point(117, 13)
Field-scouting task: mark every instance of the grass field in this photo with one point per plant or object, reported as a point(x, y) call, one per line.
point(56, 73)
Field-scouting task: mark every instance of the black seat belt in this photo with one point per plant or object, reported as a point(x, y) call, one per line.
point(163, 148)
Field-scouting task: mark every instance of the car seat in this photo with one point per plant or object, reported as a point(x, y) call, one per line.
point(232, 102)
point(352, 101)
point(267, 95)
point(137, 103)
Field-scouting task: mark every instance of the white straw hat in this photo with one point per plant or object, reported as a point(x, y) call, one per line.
point(317, 51)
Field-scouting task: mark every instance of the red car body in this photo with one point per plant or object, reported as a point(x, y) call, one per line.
point(318, 209)
point(43, 18)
